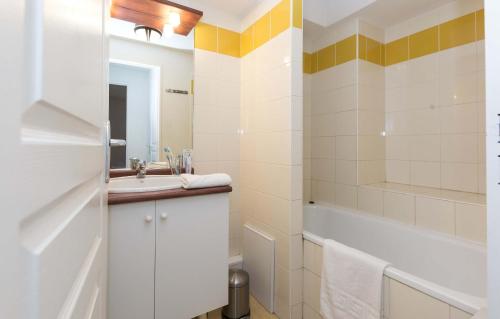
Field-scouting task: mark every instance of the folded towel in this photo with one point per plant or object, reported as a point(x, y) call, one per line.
point(351, 283)
point(202, 181)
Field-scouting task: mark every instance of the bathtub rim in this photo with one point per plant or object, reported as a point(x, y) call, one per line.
point(468, 303)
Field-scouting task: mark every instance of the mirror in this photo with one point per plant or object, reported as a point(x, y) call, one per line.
point(150, 97)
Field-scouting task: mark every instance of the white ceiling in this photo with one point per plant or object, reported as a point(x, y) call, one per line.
point(238, 8)
point(385, 13)
point(328, 12)
point(381, 13)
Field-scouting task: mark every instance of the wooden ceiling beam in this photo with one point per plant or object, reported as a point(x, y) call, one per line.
point(155, 13)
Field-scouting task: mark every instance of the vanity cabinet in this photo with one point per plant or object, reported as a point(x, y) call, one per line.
point(168, 259)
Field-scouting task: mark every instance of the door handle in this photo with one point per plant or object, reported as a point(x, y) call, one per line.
point(108, 144)
point(163, 216)
point(107, 151)
point(148, 219)
point(115, 142)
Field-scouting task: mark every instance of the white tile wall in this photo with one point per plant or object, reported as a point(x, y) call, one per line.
point(434, 120)
point(217, 147)
point(272, 154)
point(456, 213)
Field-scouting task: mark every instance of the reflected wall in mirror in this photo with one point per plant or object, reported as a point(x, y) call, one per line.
point(150, 99)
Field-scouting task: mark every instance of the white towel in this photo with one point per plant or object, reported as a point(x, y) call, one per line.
point(203, 181)
point(351, 283)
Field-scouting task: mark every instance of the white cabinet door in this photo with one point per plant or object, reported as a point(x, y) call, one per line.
point(53, 210)
point(191, 255)
point(131, 261)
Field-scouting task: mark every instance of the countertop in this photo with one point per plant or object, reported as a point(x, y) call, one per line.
point(122, 198)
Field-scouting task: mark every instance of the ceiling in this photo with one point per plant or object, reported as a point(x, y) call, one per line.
point(386, 13)
point(238, 8)
point(381, 13)
point(327, 12)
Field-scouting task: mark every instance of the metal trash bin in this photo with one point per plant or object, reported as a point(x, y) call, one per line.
point(239, 295)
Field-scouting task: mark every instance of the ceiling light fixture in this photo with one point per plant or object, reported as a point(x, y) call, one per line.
point(174, 19)
point(147, 33)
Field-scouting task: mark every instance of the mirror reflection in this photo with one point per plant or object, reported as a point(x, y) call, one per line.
point(150, 97)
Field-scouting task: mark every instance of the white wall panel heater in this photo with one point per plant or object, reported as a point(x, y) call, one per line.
point(258, 261)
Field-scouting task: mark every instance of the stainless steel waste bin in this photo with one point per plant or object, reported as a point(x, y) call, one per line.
point(239, 295)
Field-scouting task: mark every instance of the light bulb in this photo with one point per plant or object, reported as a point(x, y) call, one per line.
point(168, 30)
point(174, 19)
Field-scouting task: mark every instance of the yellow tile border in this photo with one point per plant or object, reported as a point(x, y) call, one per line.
point(424, 42)
point(297, 14)
point(459, 31)
point(283, 16)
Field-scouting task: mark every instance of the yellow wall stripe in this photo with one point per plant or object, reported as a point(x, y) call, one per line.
point(362, 46)
point(205, 37)
point(457, 32)
point(480, 25)
point(246, 41)
point(307, 63)
point(424, 42)
point(314, 62)
point(326, 57)
point(462, 30)
point(345, 50)
point(261, 30)
point(228, 42)
point(374, 51)
point(278, 19)
point(397, 51)
point(297, 13)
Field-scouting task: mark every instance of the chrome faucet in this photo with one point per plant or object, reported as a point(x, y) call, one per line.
point(134, 163)
point(141, 170)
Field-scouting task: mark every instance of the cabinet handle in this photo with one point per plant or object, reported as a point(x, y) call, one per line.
point(148, 219)
point(163, 216)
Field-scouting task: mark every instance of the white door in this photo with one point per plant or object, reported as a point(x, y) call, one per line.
point(492, 22)
point(53, 205)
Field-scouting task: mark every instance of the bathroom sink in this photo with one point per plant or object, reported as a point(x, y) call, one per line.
point(151, 183)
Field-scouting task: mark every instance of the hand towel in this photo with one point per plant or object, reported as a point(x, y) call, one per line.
point(203, 181)
point(351, 283)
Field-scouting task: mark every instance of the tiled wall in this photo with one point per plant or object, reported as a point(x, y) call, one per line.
point(271, 152)
point(371, 105)
point(455, 213)
point(263, 133)
point(271, 163)
point(400, 301)
point(435, 105)
point(347, 114)
point(410, 110)
point(216, 124)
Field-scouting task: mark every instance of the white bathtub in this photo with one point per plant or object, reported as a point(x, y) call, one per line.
point(444, 267)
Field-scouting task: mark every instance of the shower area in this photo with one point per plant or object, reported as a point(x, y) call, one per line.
point(394, 116)
point(394, 109)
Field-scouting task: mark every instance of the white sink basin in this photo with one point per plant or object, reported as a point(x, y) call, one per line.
point(151, 183)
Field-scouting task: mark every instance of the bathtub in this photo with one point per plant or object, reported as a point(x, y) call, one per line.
point(445, 268)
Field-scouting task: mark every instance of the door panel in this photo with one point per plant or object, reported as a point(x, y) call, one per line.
point(54, 107)
point(191, 255)
point(65, 38)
